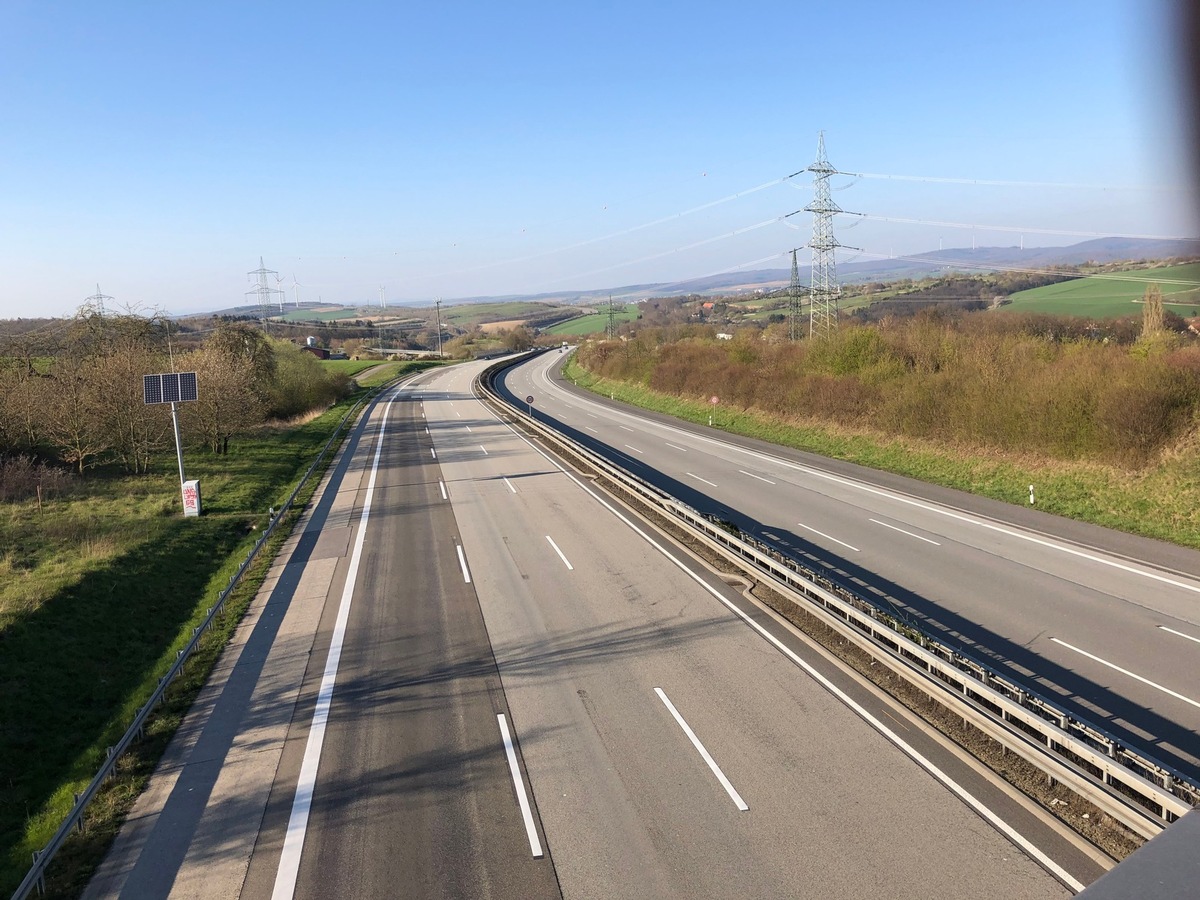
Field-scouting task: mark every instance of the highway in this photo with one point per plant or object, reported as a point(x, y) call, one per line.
point(480, 677)
point(1102, 622)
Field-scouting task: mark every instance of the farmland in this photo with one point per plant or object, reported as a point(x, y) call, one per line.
point(594, 323)
point(1114, 294)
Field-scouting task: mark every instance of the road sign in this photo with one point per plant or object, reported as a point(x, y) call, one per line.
point(714, 400)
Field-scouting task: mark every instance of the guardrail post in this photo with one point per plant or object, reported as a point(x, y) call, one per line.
point(41, 882)
point(79, 821)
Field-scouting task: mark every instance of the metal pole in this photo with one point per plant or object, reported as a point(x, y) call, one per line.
point(178, 445)
point(439, 326)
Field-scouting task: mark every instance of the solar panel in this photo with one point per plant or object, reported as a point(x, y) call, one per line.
point(152, 388)
point(187, 386)
point(170, 387)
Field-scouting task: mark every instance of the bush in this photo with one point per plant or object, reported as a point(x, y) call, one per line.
point(1061, 386)
point(20, 477)
point(302, 384)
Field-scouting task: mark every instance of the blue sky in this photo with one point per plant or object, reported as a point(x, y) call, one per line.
point(159, 149)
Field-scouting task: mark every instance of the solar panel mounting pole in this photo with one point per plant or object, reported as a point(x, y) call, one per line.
point(178, 445)
point(173, 388)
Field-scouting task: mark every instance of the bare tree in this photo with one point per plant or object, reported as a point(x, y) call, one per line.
point(1153, 317)
point(228, 400)
point(68, 414)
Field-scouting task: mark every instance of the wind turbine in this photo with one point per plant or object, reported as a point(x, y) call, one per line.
point(296, 290)
point(282, 293)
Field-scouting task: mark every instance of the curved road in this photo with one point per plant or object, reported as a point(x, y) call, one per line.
point(476, 676)
point(1105, 623)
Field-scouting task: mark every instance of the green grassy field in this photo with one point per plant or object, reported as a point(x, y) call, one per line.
point(351, 366)
point(98, 590)
point(593, 324)
point(1114, 294)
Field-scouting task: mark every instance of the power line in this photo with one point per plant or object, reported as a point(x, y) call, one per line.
point(824, 292)
point(794, 296)
point(614, 234)
point(1022, 228)
point(264, 292)
point(97, 300)
point(1028, 184)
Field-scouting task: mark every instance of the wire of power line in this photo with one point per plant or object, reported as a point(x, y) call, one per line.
point(1028, 184)
point(605, 237)
point(1021, 229)
point(653, 256)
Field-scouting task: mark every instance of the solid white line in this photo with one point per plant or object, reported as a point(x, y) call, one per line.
point(484, 449)
point(509, 483)
point(827, 537)
point(902, 531)
point(673, 447)
point(1133, 675)
point(462, 561)
point(759, 477)
point(1180, 634)
point(899, 742)
point(712, 763)
point(535, 845)
point(442, 485)
point(433, 453)
point(698, 478)
point(635, 449)
point(293, 841)
point(566, 561)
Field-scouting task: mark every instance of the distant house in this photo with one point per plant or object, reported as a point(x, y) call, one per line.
point(318, 352)
point(707, 306)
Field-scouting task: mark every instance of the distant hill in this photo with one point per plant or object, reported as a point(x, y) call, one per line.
point(980, 259)
point(921, 265)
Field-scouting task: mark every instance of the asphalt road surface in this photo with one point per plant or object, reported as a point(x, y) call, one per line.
point(1105, 623)
point(476, 676)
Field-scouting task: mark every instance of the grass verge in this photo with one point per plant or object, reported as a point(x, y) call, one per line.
point(106, 585)
point(1157, 502)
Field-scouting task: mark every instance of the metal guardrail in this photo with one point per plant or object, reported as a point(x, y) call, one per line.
point(1137, 790)
point(35, 877)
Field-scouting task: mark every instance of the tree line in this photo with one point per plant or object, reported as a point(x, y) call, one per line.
point(72, 393)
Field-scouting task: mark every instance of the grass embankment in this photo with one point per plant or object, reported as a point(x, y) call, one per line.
point(99, 589)
point(1158, 501)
